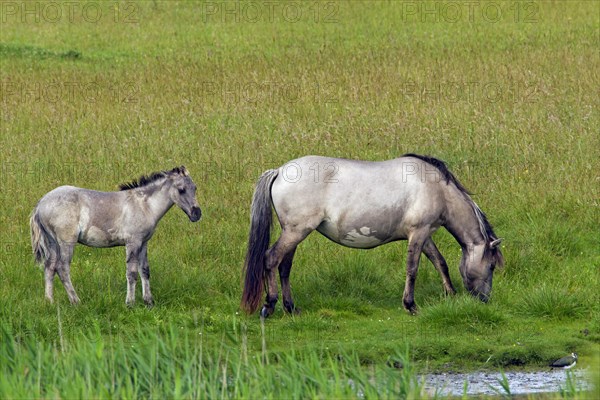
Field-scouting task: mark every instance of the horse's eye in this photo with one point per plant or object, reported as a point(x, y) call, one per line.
point(181, 191)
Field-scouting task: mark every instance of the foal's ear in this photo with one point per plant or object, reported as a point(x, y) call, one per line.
point(495, 243)
point(183, 170)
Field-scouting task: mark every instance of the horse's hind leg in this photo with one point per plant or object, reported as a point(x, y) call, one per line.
point(275, 255)
point(436, 258)
point(63, 268)
point(284, 276)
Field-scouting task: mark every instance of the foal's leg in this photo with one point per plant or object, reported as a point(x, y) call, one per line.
point(415, 246)
point(63, 268)
point(49, 272)
point(436, 258)
point(275, 255)
point(145, 269)
point(133, 251)
point(284, 276)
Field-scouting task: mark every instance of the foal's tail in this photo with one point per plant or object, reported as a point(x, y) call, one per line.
point(42, 241)
point(258, 241)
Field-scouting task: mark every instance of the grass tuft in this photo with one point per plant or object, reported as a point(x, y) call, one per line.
point(462, 311)
point(553, 303)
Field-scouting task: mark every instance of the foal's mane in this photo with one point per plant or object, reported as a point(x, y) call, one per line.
point(145, 180)
point(484, 225)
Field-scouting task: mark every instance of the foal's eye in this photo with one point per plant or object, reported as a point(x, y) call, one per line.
point(181, 191)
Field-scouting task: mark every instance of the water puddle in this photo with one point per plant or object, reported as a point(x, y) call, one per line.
point(482, 383)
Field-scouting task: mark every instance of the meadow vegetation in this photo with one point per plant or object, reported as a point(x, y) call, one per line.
point(508, 97)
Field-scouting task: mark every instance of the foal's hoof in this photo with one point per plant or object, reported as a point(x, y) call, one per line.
point(149, 303)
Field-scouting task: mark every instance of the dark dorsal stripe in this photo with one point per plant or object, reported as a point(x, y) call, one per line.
point(145, 180)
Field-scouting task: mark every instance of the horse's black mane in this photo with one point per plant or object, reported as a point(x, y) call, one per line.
point(441, 166)
point(487, 230)
point(145, 180)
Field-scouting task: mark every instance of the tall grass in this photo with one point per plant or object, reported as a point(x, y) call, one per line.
point(176, 364)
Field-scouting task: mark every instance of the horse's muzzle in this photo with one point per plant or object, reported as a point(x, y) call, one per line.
point(480, 295)
point(196, 214)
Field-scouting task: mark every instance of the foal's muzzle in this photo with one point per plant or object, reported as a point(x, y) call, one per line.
point(196, 214)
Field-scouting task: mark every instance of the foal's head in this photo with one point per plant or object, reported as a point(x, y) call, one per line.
point(477, 268)
point(183, 192)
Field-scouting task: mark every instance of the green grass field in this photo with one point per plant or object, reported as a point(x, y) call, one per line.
point(94, 94)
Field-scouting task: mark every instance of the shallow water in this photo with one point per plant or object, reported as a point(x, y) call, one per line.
point(482, 383)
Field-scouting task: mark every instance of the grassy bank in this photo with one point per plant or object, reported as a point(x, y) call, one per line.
point(188, 364)
point(508, 100)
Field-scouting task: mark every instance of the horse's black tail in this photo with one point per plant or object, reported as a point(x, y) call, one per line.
point(42, 242)
point(258, 242)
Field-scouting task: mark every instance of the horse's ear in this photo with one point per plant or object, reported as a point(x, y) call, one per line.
point(495, 243)
point(184, 170)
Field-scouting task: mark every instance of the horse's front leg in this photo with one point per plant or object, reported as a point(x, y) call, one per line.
point(145, 269)
point(438, 261)
point(415, 246)
point(133, 251)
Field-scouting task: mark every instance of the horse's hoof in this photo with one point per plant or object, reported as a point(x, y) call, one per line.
point(296, 311)
point(264, 313)
point(411, 308)
point(290, 308)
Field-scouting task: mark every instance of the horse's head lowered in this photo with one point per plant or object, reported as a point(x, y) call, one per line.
point(477, 268)
point(183, 193)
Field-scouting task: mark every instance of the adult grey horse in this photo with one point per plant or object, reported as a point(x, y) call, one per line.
point(68, 215)
point(363, 205)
